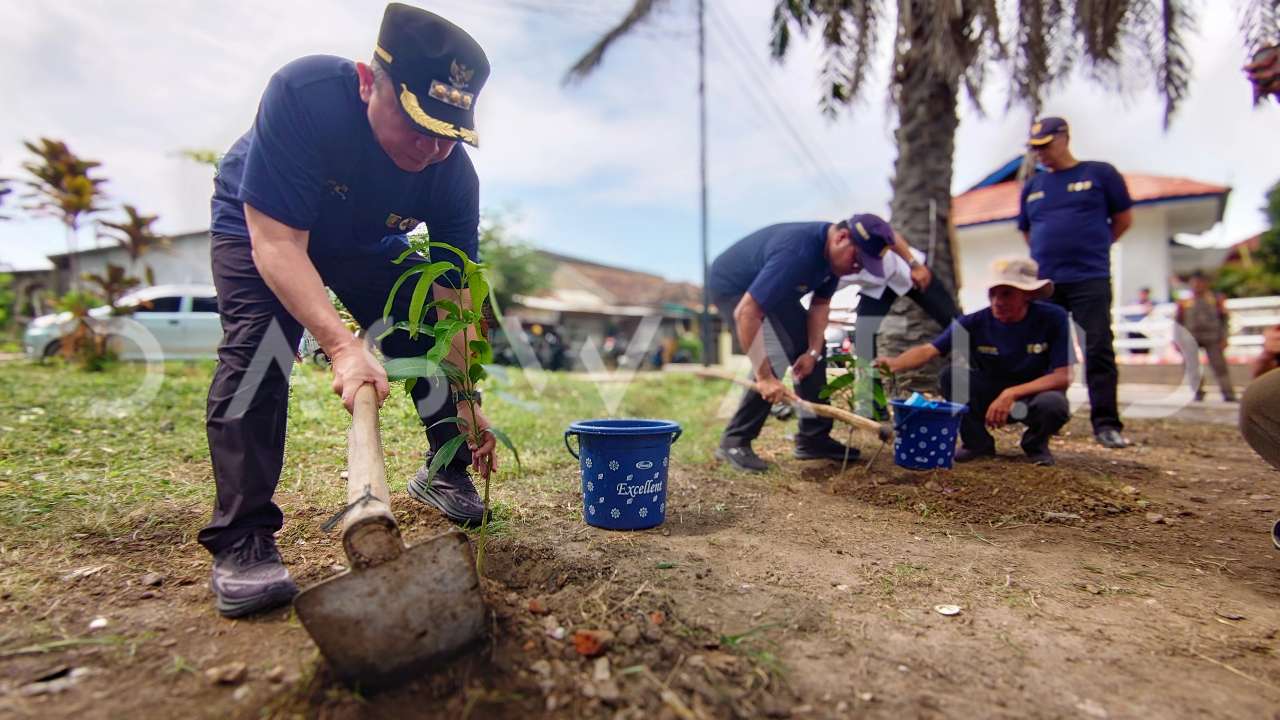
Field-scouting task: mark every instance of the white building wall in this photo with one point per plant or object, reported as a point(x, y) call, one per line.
point(186, 260)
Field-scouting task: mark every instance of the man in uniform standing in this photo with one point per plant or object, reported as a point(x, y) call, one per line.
point(341, 160)
point(757, 284)
point(1070, 217)
point(1204, 315)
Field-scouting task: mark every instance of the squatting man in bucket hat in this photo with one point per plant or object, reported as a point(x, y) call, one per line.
point(341, 160)
point(1019, 353)
point(758, 284)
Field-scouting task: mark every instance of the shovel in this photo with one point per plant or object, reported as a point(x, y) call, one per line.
point(882, 431)
point(399, 609)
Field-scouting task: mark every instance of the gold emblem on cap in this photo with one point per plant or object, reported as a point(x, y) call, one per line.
point(862, 231)
point(434, 125)
point(1035, 128)
point(383, 54)
point(460, 75)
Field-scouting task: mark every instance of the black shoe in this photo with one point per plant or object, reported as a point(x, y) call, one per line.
point(827, 450)
point(1042, 457)
point(1111, 438)
point(964, 454)
point(1198, 397)
point(742, 457)
point(451, 492)
point(249, 577)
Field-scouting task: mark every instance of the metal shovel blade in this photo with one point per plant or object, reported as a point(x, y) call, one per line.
point(379, 624)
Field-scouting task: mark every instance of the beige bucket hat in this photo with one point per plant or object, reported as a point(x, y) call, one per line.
point(1021, 273)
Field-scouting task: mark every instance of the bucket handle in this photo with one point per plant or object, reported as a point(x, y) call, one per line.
point(676, 435)
point(567, 434)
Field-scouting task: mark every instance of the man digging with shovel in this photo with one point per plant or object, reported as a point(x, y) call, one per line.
point(757, 284)
point(341, 160)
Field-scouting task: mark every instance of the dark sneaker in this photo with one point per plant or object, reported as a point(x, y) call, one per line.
point(249, 577)
point(828, 450)
point(1198, 397)
point(451, 492)
point(1043, 458)
point(743, 458)
point(1111, 438)
point(964, 454)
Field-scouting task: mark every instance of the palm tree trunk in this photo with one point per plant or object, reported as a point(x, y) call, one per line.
point(927, 122)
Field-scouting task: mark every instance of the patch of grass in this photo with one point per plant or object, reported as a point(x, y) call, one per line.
point(66, 473)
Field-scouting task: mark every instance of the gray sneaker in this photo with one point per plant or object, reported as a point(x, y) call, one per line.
point(451, 492)
point(249, 577)
point(1111, 438)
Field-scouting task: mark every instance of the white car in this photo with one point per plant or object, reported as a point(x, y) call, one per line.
point(183, 320)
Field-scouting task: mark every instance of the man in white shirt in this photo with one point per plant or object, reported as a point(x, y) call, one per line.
point(902, 272)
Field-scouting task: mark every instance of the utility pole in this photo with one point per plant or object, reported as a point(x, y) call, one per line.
point(705, 322)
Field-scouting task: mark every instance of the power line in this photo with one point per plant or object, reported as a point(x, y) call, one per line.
point(768, 109)
point(738, 37)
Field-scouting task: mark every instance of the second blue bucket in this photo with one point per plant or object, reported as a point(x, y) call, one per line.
point(624, 470)
point(925, 435)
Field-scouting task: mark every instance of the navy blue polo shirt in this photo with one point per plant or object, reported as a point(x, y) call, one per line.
point(777, 265)
point(1014, 353)
point(311, 162)
point(1068, 214)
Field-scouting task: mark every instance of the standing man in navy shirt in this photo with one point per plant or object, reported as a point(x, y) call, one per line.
point(757, 284)
point(1070, 217)
point(342, 159)
point(1019, 354)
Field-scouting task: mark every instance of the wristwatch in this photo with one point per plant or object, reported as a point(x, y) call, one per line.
point(460, 396)
point(815, 354)
point(914, 263)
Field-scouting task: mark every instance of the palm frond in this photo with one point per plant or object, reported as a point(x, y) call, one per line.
point(850, 33)
point(1260, 24)
point(640, 11)
point(1173, 63)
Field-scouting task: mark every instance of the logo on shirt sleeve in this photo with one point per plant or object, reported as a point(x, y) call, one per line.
point(988, 349)
point(1037, 348)
point(1037, 195)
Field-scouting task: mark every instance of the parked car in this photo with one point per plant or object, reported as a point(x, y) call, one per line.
point(183, 319)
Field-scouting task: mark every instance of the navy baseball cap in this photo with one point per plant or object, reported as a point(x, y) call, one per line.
point(1044, 130)
point(873, 237)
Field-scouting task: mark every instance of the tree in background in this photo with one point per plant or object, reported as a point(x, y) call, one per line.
point(136, 236)
point(4, 190)
point(1258, 272)
point(514, 266)
point(62, 186)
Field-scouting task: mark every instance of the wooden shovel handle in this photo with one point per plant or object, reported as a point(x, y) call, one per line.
point(369, 531)
point(883, 431)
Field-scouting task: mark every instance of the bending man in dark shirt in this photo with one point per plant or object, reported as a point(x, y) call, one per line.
point(1019, 353)
point(757, 284)
point(342, 159)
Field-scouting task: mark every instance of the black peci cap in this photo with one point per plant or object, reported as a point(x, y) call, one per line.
point(437, 70)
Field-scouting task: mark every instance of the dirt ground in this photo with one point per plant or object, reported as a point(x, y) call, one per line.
point(1150, 591)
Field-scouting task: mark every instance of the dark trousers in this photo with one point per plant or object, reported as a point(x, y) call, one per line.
point(1043, 414)
point(934, 300)
point(785, 335)
point(1218, 362)
point(248, 401)
point(1089, 302)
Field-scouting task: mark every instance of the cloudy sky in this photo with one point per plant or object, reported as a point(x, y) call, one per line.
point(605, 170)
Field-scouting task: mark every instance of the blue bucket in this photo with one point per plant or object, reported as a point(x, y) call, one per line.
point(925, 436)
point(624, 470)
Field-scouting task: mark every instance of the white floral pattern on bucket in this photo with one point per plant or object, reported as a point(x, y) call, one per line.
point(644, 512)
point(615, 513)
point(591, 487)
point(613, 464)
point(591, 509)
point(588, 461)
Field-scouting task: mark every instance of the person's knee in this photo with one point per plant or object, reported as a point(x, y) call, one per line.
point(1260, 416)
point(1052, 406)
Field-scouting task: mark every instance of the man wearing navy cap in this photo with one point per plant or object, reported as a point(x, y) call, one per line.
point(342, 159)
point(1070, 216)
point(757, 284)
